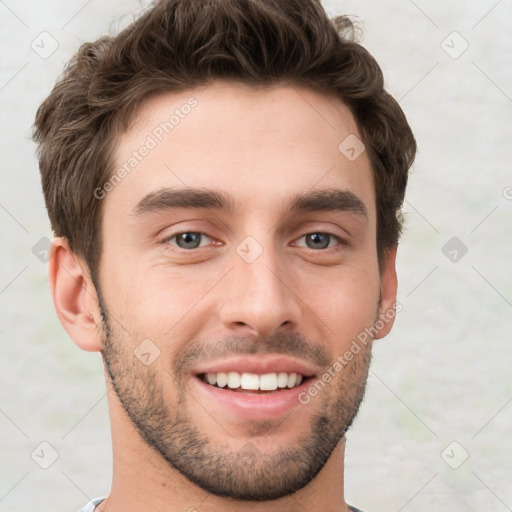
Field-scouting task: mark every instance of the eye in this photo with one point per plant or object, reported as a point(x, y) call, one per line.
point(320, 240)
point(189, 240)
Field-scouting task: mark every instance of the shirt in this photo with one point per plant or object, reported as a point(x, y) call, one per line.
point(92, 505)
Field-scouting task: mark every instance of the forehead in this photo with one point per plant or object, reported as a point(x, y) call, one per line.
point(256, 144)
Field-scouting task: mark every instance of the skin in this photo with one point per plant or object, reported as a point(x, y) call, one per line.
point(261, 148)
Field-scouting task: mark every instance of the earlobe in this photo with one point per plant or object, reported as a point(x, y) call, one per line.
point(74, 296)
point(388, 289)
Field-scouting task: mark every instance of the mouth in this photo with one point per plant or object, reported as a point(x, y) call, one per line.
point(252, 383)
point(253, 388)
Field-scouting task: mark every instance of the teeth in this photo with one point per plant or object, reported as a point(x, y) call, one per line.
point(222, 379)
point(252, 381)
point(268, 382)
point(233, 380)
point(282, 380)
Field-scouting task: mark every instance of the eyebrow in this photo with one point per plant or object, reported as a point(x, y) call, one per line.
point(168, 198)
point(328, 200)
point(319, 200)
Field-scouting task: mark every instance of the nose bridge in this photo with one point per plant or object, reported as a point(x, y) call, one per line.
point(259, 298)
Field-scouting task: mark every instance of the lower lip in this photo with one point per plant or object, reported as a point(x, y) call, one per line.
point(264, 406)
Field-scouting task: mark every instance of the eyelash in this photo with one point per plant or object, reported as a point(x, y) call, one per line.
point(340, 242)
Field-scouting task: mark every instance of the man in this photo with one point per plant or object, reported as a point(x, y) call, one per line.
point(224, 179)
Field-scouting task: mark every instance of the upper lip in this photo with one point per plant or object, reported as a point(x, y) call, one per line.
point(258, 365)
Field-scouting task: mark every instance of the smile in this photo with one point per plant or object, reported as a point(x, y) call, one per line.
point(252, 381)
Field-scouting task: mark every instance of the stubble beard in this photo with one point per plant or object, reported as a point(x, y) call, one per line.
point(249, 474)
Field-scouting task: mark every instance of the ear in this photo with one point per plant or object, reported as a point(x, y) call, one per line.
point(74, 296)
point(388, 287)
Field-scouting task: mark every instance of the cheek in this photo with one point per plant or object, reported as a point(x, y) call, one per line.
point(348, 305)
point(156, 304)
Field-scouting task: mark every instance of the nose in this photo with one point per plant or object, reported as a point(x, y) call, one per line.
point(259, 297)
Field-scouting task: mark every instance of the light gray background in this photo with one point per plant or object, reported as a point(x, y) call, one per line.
point(442, 376)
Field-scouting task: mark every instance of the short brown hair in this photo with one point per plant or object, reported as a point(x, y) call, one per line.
point(181, 44)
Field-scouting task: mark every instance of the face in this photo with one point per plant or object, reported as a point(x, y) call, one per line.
point(239, 264)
